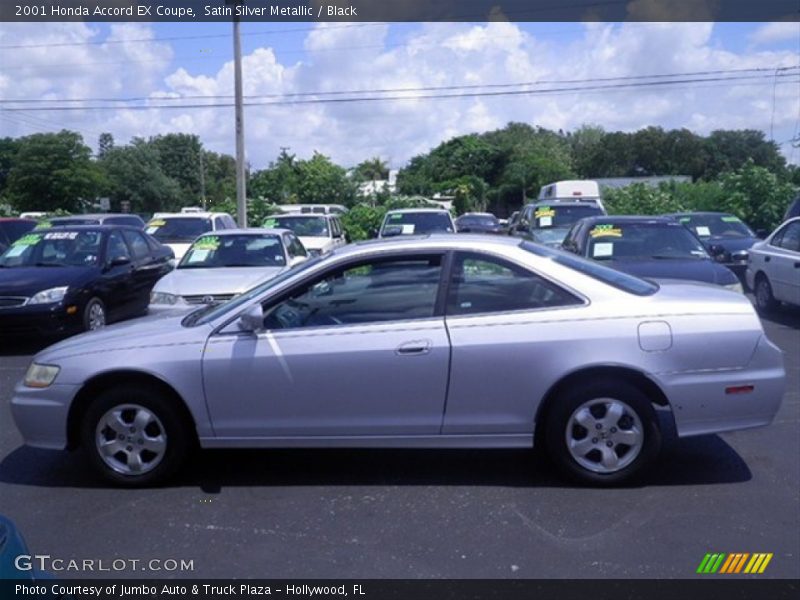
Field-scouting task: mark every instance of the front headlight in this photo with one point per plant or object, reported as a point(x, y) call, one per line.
point(41, 376)
point(735, 287)
point(50, 296)
point(163, 298)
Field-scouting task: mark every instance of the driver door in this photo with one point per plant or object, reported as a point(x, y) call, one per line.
point(361, 350)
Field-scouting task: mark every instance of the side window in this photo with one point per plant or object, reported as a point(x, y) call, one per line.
point(337, 228)
point(294, 246)
point(219, 223)
point(486, 284)
point(138, 244)
point(777, 239)
point(790, 240)
point(389, 289)
point(117, 246)
point(229, 221)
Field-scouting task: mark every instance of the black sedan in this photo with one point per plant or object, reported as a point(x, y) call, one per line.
point(68, 279)
point(478, 223)
point(650, 247)
point(725, 237)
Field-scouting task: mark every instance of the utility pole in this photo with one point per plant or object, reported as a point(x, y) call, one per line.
point(241, 190)
point(202, 179)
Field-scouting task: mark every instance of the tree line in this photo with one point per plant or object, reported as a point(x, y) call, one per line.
point(497, 170)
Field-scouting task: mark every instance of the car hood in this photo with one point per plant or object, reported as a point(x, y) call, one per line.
point(178, 249)
point(692, 269)
point(315, 243)
point(731, 245)
point(163, 328)
point(227, 280)
point(27, 281)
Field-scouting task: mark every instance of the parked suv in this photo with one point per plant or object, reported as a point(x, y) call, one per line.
point(179, 230)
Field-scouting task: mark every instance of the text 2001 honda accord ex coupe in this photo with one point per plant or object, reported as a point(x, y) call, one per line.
point(441, 341)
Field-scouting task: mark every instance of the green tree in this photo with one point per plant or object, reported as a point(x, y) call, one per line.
point(279, 182)
point(373, 169)
point(104, 144)
point(51, 171)
point(756, 195)
point(8, 152)
point(179, 155)
point(133, 173)
point(320, 181)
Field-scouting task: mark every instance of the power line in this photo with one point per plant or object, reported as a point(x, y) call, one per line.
point(769, 70)
point(578, 89)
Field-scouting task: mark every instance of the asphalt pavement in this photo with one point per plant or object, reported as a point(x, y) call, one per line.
point(419, 514)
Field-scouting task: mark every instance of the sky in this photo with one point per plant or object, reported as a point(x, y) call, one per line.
point(68, 63)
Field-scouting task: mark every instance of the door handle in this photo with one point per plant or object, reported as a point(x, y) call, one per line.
point(414, 347)
point(797, 265)
point(767, 259)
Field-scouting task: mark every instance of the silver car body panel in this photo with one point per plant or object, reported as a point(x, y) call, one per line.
point(780, 265)
point(472, 381)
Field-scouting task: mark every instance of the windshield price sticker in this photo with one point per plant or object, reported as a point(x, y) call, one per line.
point(605, 230)
point(603, 249)
point(61, 235)
point(43, 225)
point(731, 219)
point(408, 228)
point(269, 223)
point(395, 217)
point(545, 221)
point(28, 240)
point(704, 231)
point(544, 212)
point(207, 243)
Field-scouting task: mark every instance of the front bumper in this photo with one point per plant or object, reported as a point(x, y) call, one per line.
point(41, 414)
point(39, 320)
point(701, 406)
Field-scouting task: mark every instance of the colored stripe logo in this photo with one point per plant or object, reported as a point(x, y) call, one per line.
point(737, 562)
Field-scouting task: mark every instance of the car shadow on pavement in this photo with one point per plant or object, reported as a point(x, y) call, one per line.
point(695, 461)
point(15, 347)
point(786, 316)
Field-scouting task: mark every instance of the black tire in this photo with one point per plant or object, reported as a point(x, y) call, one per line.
point(90, 312)
point(622, 393)
point(167, 420)
point(765, 300)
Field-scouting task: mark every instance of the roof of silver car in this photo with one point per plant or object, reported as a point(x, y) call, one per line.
point(249, 231)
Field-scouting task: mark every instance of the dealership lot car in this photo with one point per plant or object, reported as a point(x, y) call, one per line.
point(319, 234)
point(387, 344)
point(773, 270)
point(653, 247)
point(725, 237)
point(94, 219)
point(547, 223)
point(221, 265)
point(179, 230)
point(478, 223)
point(68, 279)
point(416, 221)
point(12, 229)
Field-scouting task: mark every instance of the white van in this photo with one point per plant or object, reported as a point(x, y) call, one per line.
point(579, 190)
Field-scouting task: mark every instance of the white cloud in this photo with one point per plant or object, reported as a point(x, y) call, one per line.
point(771, 33)
point(428, 55)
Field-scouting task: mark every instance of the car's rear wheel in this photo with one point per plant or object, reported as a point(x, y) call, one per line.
point(94, 315)
point(135, 436)
point(602, 433)
point(765, 301)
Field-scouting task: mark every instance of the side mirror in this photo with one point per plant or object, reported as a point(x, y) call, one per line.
point(718, 253)
point(373, 233)
point(252, 320)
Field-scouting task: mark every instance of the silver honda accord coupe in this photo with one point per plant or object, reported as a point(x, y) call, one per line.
point(424, 342)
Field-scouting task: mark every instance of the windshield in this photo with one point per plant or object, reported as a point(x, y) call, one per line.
point(555, 215)
point(411, 223)
point(609, 241)
point(214, 311)
point(301, 226)
point(178, 230)
point(612, 277)
point(706, 226)
point(480, 220)
point(54, 249)
point(213, 251)
point(554, 235)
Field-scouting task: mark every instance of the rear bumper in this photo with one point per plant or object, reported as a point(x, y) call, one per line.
point(700, 404)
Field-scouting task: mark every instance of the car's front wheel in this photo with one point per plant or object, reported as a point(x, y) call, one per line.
point(602, 433)
point(135, 436)
point(94, 315)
